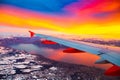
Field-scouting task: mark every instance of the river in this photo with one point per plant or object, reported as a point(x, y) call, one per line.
point(58, 55)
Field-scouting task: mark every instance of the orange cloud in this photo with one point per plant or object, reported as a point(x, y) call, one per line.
point(74, 24)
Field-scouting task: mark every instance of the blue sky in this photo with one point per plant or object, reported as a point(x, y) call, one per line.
point(40, 5)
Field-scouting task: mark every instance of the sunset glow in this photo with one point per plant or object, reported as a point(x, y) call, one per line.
point(93, 17)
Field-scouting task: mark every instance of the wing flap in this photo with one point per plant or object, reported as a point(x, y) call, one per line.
point(111, 57)
point(101, 61)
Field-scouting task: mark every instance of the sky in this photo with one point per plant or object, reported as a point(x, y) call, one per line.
point(78, 17)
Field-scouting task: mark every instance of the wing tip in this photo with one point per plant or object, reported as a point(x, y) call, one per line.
point(31, 33)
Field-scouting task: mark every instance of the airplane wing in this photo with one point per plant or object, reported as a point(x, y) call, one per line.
point(107, 56)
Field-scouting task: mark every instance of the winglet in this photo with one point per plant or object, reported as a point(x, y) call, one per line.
point(31, 33)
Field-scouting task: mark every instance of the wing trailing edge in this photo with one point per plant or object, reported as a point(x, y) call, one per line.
point(101, 61)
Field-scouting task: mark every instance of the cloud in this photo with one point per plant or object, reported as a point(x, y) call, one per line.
point(82, 17)
point(94, 7)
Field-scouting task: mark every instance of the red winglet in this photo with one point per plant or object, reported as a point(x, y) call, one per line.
point(113, 71)
point(31, 33)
